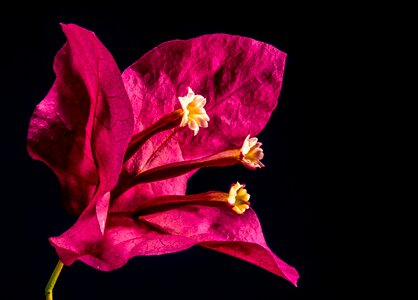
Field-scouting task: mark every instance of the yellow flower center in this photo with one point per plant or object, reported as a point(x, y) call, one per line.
point(238, 198)
point(194, 115)
point(252, 153)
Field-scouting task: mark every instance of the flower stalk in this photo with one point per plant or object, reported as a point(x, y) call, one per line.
point(52, 280)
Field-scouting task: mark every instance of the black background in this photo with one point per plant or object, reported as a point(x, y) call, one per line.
point(289, 195)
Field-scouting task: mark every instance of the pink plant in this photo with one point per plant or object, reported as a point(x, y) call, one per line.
point(124, 145)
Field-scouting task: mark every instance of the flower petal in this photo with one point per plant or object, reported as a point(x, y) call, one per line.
point(223, 230)
point(82, 127)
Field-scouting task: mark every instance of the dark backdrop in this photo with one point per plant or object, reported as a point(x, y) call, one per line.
point(289, 194)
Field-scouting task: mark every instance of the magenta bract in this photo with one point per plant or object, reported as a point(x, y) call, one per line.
point(83, 126)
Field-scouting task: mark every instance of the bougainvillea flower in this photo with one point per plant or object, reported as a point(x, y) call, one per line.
point(124, 145)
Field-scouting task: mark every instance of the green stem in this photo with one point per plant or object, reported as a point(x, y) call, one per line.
point(53, 280)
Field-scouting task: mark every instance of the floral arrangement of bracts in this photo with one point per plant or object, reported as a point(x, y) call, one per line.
point(123, 147)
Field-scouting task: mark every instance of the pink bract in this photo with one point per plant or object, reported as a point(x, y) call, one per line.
point(83, 127)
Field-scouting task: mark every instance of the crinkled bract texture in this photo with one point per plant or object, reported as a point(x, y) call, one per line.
point(83, 127)
point(217, 228)
point(240, 78)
